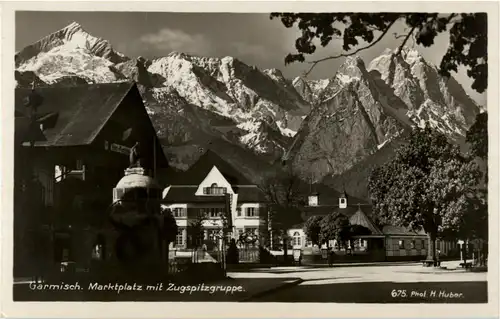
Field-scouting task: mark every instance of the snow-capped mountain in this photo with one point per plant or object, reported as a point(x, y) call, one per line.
point(431, 99)
point(353, 119)
point(191, 100)
point(323, 126)
point(365, 108)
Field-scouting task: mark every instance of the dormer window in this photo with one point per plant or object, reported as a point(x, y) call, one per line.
point(343, 202)
point(214, 189)
point(313, 200)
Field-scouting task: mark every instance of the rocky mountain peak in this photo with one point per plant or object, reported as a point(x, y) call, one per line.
point(73, 27)
point(70, 38)
point(325, 125)
point(353, 67)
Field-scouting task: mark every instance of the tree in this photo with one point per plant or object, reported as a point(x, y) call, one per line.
point(426, 186)
point(468, 36)
point(169, 229)
point(196, 231)
point(283, 191)
point(477, 136)
point(335, 226)
point(454, 188)
point(312, 229)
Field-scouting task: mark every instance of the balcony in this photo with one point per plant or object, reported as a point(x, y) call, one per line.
point(214, 191)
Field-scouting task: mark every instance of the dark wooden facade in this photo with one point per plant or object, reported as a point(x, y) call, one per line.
point(64, 181)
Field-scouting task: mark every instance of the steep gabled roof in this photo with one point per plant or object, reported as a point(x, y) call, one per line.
point(326, 210)
point(328, 196)
point(400, 231)
point(360, 218)
point(25, 131)
point(82, 110)
point(187, 194)
point(199, 170)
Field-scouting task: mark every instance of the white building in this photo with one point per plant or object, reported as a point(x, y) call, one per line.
point(213, 188)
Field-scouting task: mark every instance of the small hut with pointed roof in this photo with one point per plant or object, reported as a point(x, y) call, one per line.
point(373, 241)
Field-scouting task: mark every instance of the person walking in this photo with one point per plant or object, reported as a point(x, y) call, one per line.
point(330, 258)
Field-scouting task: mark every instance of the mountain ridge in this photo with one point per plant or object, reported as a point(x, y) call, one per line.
point(322, 127)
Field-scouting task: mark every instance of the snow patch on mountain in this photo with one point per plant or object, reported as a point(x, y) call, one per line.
point(71, 37)
point(285, 130)
point(71, 61)
point(430, 98)
point(325, 125)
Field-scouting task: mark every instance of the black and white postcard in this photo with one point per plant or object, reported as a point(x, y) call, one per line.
point(249, 159)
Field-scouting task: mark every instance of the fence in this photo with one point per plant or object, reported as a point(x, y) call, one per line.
point(249, 255)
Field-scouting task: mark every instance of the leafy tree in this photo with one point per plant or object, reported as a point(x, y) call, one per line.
point(477, 136)
point(284, 193)
point(426, 186)
point(169, 229)
point(196, 231)
point(248, 238)
point(335, 226)
point(468, 36)
point(312, 229)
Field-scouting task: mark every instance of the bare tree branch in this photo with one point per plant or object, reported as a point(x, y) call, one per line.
point(406, 39)
point(450, 17)
point(399, 36)
point(314, 63)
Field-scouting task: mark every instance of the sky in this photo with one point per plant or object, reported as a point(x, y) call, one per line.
point(253, 38)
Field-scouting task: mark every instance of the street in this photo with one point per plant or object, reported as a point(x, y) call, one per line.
point(375, 283)
point(410, 283)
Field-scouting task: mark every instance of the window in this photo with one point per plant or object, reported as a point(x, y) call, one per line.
point(361, 243)
point(297, 239)
point(343, 202)
point(179, 238)
point(212, 212)
point(313, 200)
point(238, 211)
point(251, 230)
point(213, 234)
point(252, 212)
point(413, 244)
point(214, 190)
point(98, 251)
point(401, 244)
point(179, 212)
point(79, 164)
